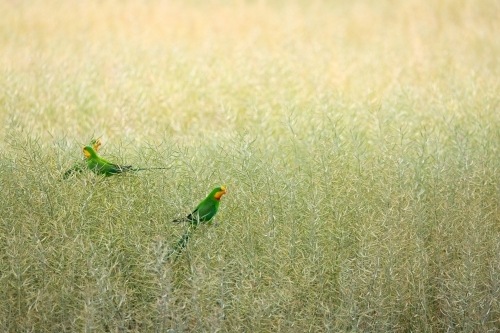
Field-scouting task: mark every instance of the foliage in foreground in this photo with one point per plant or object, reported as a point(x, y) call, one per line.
point(334, 234)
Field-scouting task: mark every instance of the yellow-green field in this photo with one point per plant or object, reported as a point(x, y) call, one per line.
point(359, 141)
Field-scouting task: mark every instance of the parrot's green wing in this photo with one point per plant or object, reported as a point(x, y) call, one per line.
point(205, 211)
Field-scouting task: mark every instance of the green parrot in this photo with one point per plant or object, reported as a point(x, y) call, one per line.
point(103, 167)
point(82, 165)
point(206, 209)
point(203, 213)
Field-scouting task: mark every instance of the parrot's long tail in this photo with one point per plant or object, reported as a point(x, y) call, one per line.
point(181, 244)
point(141, 169)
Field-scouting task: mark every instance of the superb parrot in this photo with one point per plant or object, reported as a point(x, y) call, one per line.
point(206, 209)
point(203, 213)
point(103, 167)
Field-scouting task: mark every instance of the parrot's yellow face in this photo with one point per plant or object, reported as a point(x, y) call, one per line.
point(86, 152)
point(220, 193)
